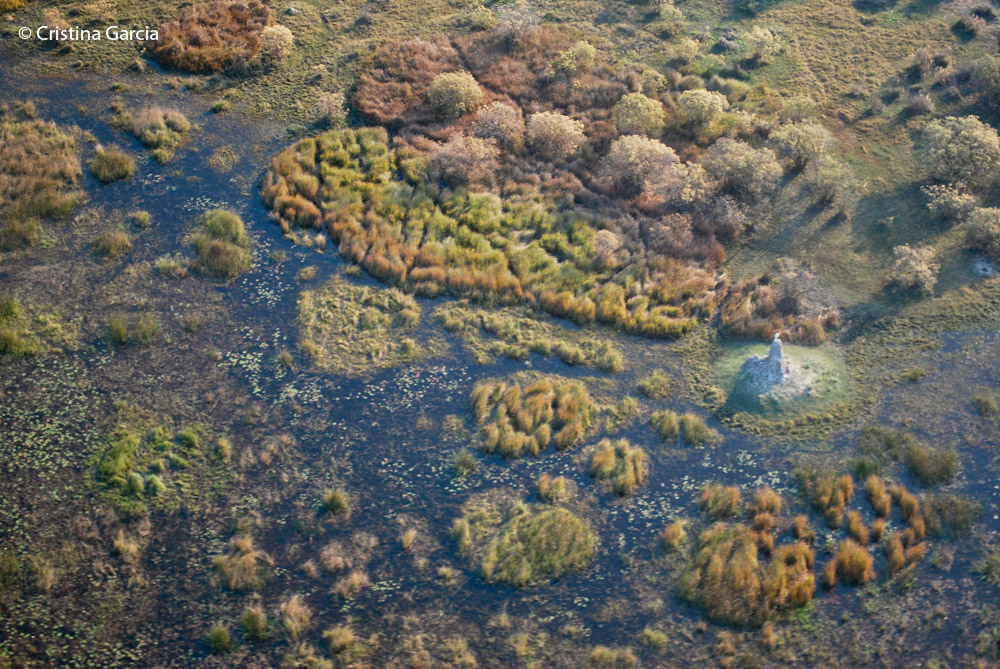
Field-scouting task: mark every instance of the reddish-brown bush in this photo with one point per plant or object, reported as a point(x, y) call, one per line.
point(212, 36)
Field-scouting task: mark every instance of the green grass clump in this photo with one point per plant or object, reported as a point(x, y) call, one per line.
point(16, 337)
point(667, 424)
point(141, 218)
point(218, 639)
point(222, 244)
point(655, 385)
point(519, 332)
point(985, 404)
point(115, 466)
point(10, 570)
point(39, 177)
point(517, 422)
point(464, 462)
point(109, 165)
point(949, 515)
point(619, 465)
point(535, 546)
point(337, 503)
point(113, 244)
point(719, 501)
point(162, 130)
point(254, 621)
point(932, 466)
point(913, 375)
point(695, 431)
point(352, 329)
point(555, 490)
point(603, 657)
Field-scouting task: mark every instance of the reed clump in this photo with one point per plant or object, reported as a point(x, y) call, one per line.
point(520, 422)
point(242, 566)
point(222, 244)
point(619, 465)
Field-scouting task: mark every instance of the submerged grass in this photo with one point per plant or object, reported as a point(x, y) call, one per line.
point(351, 329)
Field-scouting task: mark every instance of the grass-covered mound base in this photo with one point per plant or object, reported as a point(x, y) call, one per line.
point(520, 544)
point(351, 329)
point(819, 380)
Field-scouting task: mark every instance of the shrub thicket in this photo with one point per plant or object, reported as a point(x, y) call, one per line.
point(961, 149)
point(553, 136)
point(636, 114)
point(212, 36)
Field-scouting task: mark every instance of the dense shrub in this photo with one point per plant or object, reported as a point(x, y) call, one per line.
point(635, 114)
point(832, 183)
point(983, 231)
point(758, 43)
point(577, 59)
point(394, 84)
point(212, 36)
point(553, 136)
point(802, 142)
point(502, 123)
point(634, 159)
point(464, 160)
point(748, 172)
point(914, 270)
point(951, 202)
point(275, 44)
point(961, 149)
point(454, 94)
point(699, 107)
point(330, 109)
point(932, 466)
point(986, 77)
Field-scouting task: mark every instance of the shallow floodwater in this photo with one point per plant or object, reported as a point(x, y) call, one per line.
point(383, 434)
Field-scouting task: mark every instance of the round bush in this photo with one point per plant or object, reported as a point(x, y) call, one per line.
point(983, 231)
point(553, 136)
point(961, 149)
point(635, 114)
point(700, 107)
point(802, 142)
point(502, 123)
point(741, 168)
point(633, 159)
point(454, 94)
